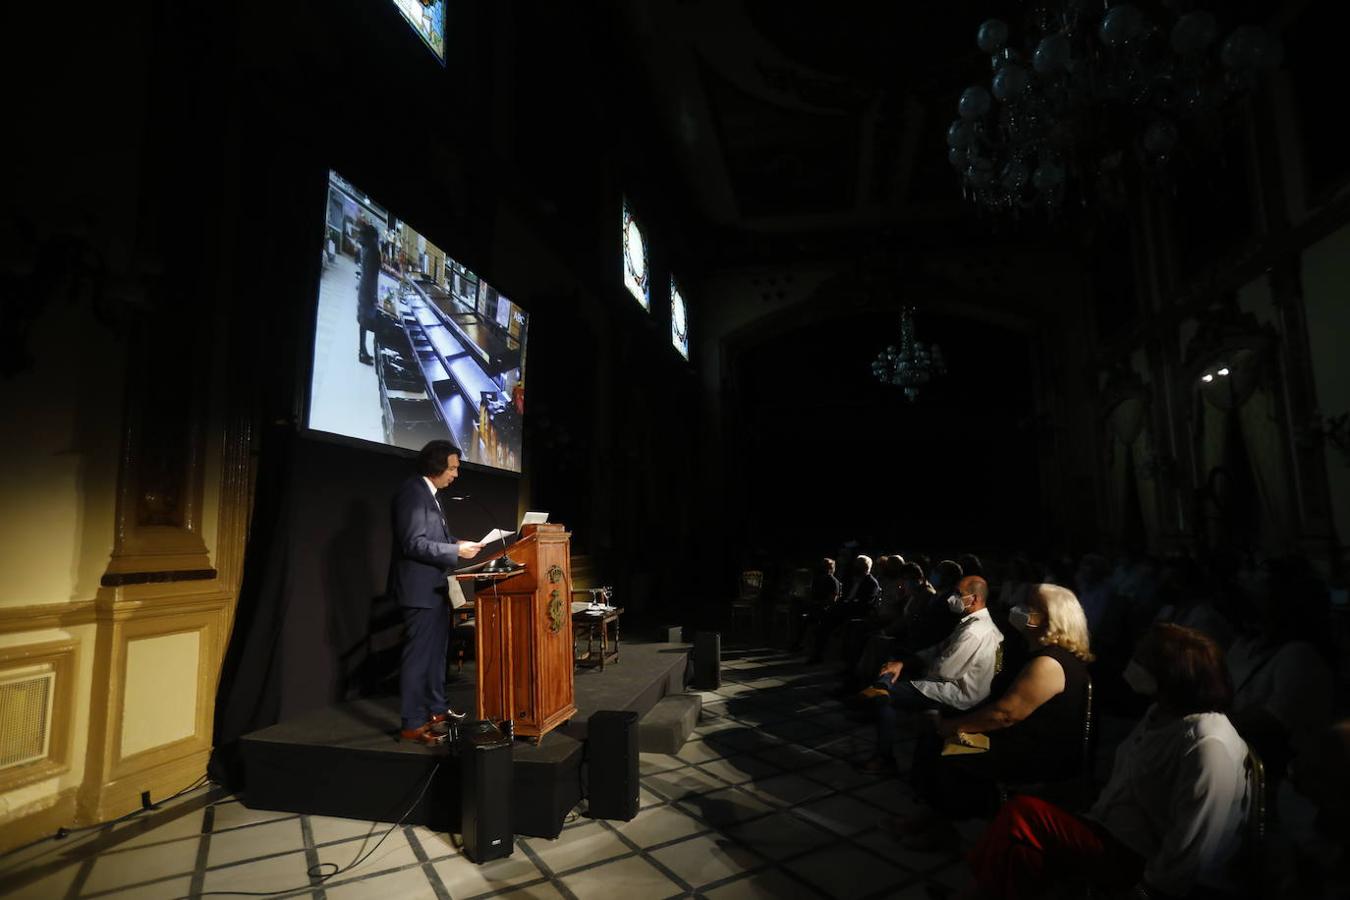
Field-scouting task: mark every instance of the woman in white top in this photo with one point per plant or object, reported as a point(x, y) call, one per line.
point(1169, 819)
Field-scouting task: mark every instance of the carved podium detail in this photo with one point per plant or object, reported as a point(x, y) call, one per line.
point(524, 647)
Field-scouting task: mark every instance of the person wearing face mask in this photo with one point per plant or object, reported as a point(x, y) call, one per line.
point(1169, 820)
point(1035, 727)
point(956, 674)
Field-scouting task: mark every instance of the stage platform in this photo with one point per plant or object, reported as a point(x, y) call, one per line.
point(346, 760)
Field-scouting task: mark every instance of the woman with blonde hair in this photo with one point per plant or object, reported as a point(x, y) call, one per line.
point(1035, 728)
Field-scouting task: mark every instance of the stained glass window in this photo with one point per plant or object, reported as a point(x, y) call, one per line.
point(679, 320)
point(636, 276)
point(427, 17)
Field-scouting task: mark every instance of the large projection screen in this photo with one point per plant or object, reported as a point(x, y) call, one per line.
point(409, 344)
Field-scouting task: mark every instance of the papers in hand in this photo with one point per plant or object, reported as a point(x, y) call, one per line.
point(494, 536)
point(966, 743)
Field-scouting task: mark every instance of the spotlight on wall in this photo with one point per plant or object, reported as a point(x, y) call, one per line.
point(1207, 378)
point(1224, 372)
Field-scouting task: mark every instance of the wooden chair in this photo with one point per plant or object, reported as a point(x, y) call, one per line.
point(1254, 830)
point(746, 604)
point(786, 609)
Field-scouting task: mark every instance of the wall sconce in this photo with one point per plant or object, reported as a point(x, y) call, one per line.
point(1223, 360)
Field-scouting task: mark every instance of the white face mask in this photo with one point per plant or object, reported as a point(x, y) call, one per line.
point(957, 605)
point(1140, 680)
point(1020, 618)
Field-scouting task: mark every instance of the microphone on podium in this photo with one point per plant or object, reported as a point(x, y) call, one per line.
point(503, 563)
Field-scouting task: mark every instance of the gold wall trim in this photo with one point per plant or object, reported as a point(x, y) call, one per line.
point(112, 782)
point(62, 656)
point(120, 579)
point(40, 616)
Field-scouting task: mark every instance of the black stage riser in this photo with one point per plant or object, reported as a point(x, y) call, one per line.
point(344, 760)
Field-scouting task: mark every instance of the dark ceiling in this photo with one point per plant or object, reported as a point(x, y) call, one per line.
point(801, 126)
point(804, 117)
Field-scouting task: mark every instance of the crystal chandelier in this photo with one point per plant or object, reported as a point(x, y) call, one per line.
point(1080, 84)
point(912, 364)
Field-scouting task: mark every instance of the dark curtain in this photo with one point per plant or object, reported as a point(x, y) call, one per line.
point(313, 626)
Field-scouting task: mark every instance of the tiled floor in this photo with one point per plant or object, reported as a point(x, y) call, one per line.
point(763, 801)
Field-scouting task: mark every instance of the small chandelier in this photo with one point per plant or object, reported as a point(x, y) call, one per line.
point(912, 364)
point(1078, 89)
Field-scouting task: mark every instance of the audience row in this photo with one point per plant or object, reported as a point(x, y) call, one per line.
point(1226, 674)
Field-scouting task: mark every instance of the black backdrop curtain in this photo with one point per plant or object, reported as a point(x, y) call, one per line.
point(312, 626)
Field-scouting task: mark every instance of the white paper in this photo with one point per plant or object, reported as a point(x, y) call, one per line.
point(494, 536)
point(457, 598)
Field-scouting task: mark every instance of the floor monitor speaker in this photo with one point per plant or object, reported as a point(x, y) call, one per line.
point(707, 660)
point(485, 792)
point(612, 767)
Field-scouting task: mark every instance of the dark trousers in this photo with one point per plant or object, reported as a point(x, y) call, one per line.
point(957, 787)
point(904, 698)
point(833, 617)
point(421, 677)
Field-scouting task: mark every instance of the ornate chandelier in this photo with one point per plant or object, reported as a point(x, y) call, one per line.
point(1079, 85)
point(912, 364)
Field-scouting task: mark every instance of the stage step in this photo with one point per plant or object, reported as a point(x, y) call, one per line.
point(668, 724)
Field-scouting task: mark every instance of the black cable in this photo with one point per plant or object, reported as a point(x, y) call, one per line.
point(314, 871)
point(63, 832)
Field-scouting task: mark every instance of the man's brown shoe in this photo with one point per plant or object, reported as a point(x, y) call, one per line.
point(441, 722)
point(874, 693)
point(423, 735)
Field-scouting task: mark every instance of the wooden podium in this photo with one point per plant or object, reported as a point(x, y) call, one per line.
point(524, 635)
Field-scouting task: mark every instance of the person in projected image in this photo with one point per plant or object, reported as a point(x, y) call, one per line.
point(424, 554)
point(368, 254)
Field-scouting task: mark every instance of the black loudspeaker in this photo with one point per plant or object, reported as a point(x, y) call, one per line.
point(707, 660)
point(485, 792)
point(612, 745)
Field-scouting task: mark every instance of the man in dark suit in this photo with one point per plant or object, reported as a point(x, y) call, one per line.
point(424, 554)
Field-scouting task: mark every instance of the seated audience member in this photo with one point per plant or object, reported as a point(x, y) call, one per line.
point(970, 564)
point(1282, 686)
point(1095, 592)
point(1186, 600)
point(1035, 727)
point(916, 595)
point(859, 601)
point(891, 602)
point(1019, 579)
point(954, 675)
point(929, 616)
point(1310, 841)
point(825, 590)
point(1169, 819)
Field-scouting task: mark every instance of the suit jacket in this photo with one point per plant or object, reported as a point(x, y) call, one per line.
point(424, 550)
point(867, 591)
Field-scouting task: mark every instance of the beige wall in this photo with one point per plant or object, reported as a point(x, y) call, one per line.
point(137, 664)
point(58, 467)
